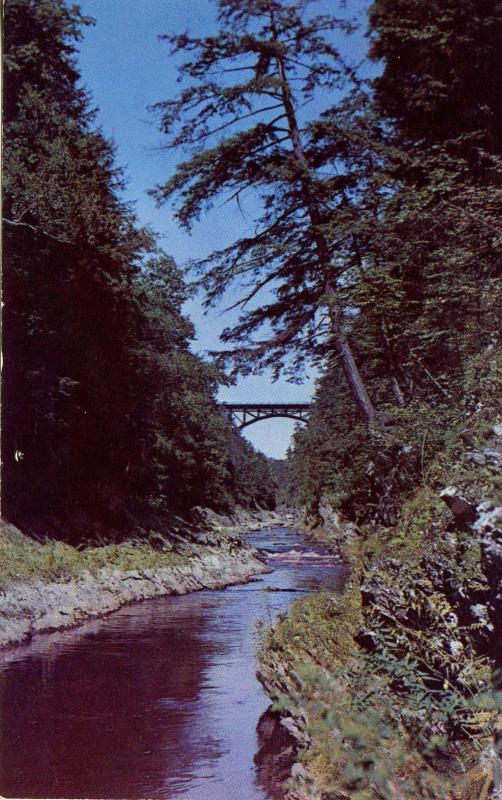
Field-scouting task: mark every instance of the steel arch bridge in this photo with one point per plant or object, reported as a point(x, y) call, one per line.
point(244, 414)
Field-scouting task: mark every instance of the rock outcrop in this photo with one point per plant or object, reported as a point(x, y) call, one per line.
point(215, 557)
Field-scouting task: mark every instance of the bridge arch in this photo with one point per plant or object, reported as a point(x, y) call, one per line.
point(244, 414)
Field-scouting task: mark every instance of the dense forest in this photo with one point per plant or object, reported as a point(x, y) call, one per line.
point(110, 422)
point(421, 269)
point(375, 251)
point(379, 242)
point(379, 237)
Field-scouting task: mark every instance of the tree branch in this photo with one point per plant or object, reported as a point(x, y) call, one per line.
point(36, 229)
point(234, 120)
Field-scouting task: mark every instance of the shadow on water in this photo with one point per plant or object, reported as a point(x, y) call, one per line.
point(101, 716)
point(276, 755)
point(158, 700)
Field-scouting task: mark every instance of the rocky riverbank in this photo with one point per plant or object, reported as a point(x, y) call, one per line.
point(388, 688)
point(52, 586)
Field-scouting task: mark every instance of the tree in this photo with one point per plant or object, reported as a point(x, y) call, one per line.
point(424, 147)
point(249, 134)
point(441, 79)
point(438, 240)
point(109, 422)
point(69, 245)
point(424, 220)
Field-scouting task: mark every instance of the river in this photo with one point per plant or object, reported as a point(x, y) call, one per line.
point(159, 699)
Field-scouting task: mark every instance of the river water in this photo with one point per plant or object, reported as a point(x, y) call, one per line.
point(160, 699)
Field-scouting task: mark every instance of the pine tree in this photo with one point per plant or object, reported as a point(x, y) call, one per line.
point(423, 277)
point(442, 72)
point(439, 97)
point(241, 117)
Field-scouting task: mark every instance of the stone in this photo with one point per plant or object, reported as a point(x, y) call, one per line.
point(455, 647)
point(462, 509)
point(486, 457)
point(479, 611)
point(488, 518)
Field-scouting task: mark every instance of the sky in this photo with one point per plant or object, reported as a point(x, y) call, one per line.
point(126, 69)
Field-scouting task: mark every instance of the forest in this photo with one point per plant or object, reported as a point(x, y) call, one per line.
point(112, 417)
point(374, 258)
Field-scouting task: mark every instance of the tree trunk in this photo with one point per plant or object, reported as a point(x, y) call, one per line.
point(394, 369)
point(353, 376)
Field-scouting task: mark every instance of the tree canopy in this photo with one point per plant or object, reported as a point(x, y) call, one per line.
point(424, 140)
point(110, 422)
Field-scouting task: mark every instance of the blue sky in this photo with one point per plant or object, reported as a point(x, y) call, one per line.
point(126, 68)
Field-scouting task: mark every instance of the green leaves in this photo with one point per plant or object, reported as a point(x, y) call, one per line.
point(116, 417)
point(441, 77)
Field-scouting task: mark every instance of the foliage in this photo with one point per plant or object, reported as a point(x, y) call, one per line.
point(401, 701)
point(320, 626)
point(422, 276)
point(440, 79)
point(411, 707)
point(376, 250)
point(392, 686)
point(110, 422)
point(285, 494)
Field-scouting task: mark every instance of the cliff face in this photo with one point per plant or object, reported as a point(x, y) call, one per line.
point(389, 687)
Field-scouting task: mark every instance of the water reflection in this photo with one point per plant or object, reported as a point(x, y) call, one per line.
point(111, 710)
point(275, 757)
point(158, 700)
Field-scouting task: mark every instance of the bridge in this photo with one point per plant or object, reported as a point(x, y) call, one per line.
point(244, 414)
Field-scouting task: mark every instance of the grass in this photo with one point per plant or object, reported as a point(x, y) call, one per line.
point(22, 559)
point(394, 707)
point(319, 626)
point(351, 707)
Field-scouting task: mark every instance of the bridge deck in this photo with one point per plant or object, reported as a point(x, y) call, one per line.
point(262, 406)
